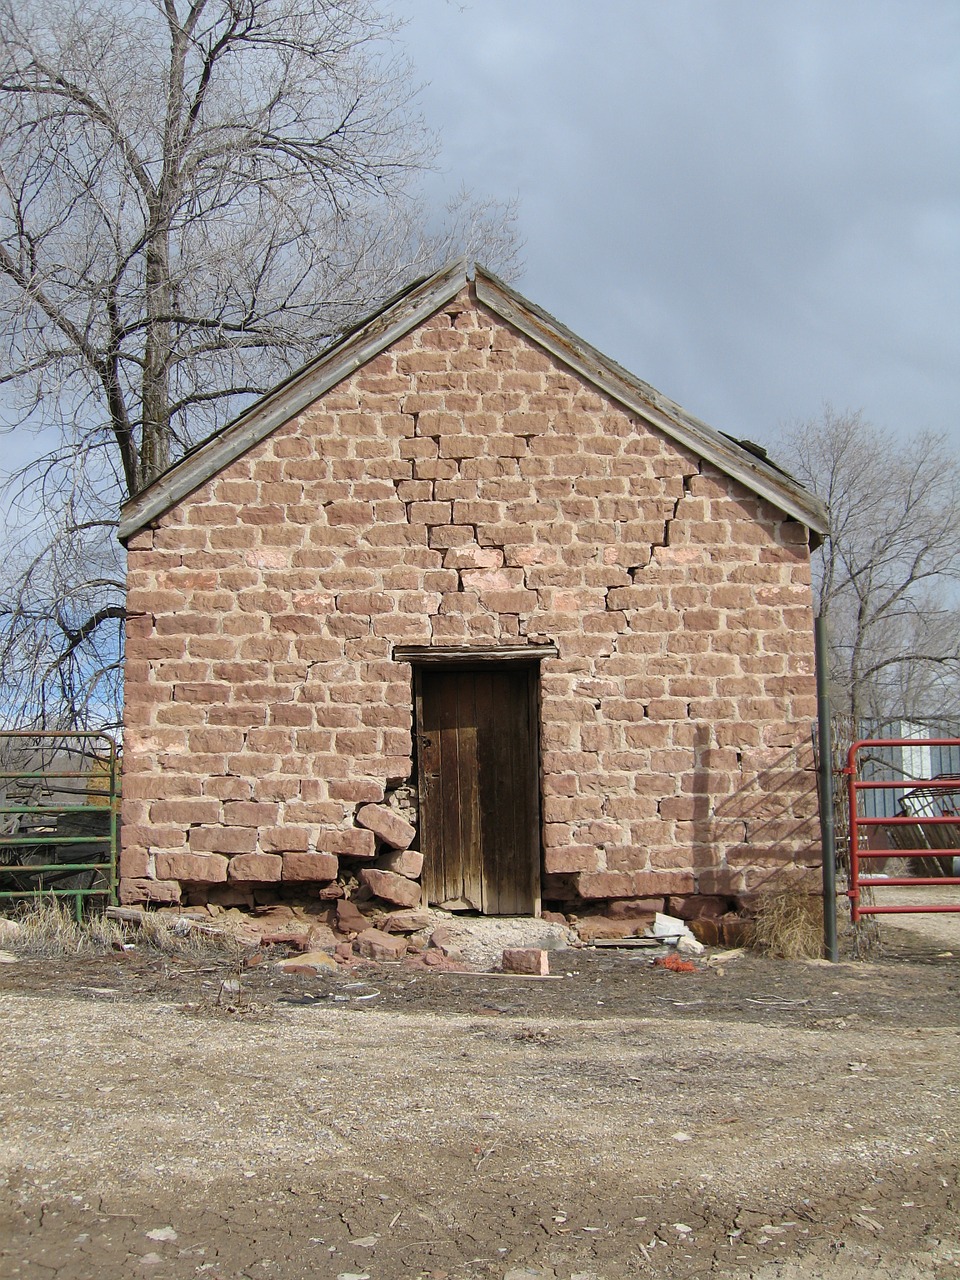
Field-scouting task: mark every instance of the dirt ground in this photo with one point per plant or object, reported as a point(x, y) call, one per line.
point(758, 1118)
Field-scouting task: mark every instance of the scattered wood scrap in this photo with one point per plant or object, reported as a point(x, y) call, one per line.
point(480, 973)
point(628, 944)
point(193, 922)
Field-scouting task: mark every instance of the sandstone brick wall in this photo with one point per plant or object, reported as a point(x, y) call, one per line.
point(465, 488)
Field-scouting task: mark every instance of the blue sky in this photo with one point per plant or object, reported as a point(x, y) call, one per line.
point(752, 204)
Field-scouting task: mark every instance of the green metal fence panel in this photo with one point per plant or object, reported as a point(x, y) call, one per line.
point(59, 813)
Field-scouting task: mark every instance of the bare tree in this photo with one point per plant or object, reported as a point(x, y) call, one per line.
point(886, 579)
point(195, 197)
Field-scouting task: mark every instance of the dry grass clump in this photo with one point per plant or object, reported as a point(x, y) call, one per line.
point(48, 928)
point(867, 941)
point(159, 933)
point(789, 924)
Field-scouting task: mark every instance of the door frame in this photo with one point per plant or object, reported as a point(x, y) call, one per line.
point(464, 659)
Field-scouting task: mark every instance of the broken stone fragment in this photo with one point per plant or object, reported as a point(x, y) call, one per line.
point(321, 937)
point(736, 931)
point(391, 887)
point(688, 945)
point(310, 962)
point(10, 930)
point(590, 928)
point(635, 908)
point(706, 931)
point(402, 862)
point(443, 940)
point(406, 921)
point(386, 825)
point(699, 906)
point(376, 945)
point(349, 919)
point(285, 935)
point(526, 960)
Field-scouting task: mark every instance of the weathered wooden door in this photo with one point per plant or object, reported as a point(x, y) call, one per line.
point(478, 767)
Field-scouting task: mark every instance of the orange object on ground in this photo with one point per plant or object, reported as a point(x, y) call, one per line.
point(675, 964)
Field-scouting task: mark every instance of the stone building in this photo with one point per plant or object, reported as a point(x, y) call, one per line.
point(464, 606)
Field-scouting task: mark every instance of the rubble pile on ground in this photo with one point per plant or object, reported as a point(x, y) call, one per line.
point(313, 936)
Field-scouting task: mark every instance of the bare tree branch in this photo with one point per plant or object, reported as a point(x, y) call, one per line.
point(195, 196)
point(888, 571)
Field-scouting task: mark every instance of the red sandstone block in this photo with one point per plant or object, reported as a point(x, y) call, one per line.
point(720, 880)
point(258, 867)
point(269, 789)
point(144, 601)
point(377, 945)
point(391, 887)
point(776, 879)
point(284, 839)
point(310, 866)
point(516, 602)
point(355, 514)
point(196, 868)
point(571, 858)
point(222, 840)
point(471, 556)
point(134, 864)
point(151, 786)
point(138, 889)
point(150, 836)
point(185, 811)
point(350, 842)
point(402, 862)
point(528, 960)
point(682, 808)
point(634, 884)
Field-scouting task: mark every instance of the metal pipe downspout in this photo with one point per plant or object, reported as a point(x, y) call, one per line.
point(827, 834)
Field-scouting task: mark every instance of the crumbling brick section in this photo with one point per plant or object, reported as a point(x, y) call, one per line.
point(464, 488)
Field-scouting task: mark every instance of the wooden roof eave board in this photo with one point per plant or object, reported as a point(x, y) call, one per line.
point(647, 403)
point(291, 397)
point(397, 318)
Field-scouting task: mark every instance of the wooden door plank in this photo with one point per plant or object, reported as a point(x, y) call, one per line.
point(524, 769)
point(450, 875)
point(506, 762)
point(488, 729)
point(429, 783)
point(535, 848)
point(529, 776)
point(516, 876)
point(507, 868)
point(468, 791)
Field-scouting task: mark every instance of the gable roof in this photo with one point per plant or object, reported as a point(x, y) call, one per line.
point(401, 314)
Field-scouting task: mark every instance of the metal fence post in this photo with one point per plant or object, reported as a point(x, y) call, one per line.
point(827, 834)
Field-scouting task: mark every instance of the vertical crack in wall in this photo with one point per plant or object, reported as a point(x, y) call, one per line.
point(664, 542)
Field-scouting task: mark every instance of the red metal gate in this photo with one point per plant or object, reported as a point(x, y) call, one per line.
point(926, 828)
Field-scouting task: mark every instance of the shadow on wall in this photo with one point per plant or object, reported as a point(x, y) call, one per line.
point(768, 824)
